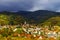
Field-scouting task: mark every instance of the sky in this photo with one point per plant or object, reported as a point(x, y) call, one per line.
point(29, 5)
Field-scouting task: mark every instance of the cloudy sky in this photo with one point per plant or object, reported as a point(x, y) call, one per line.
point(29, 5)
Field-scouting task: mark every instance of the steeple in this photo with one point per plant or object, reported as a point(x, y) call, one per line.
point(25, 22)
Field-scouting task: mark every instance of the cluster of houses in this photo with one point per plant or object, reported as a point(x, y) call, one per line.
point(40, 32)
point(48, 32)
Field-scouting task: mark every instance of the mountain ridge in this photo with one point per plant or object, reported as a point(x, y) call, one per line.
point(35, 17)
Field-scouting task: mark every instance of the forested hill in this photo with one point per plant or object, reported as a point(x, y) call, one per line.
point(38, 16)
point(33, 17)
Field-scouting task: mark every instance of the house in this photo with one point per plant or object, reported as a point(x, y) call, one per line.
point(52, 35)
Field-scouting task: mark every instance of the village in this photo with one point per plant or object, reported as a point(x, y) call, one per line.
point(31, 31)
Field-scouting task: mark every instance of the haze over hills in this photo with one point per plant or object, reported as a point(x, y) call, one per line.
point(34, 17)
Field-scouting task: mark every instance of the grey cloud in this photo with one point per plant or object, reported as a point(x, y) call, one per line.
point(15, 5)
point(30, 5)
point(52, 5)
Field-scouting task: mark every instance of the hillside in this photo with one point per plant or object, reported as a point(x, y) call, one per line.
point(35, 17)
point(11, 19)
point(38, 16)
point(52, 21)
